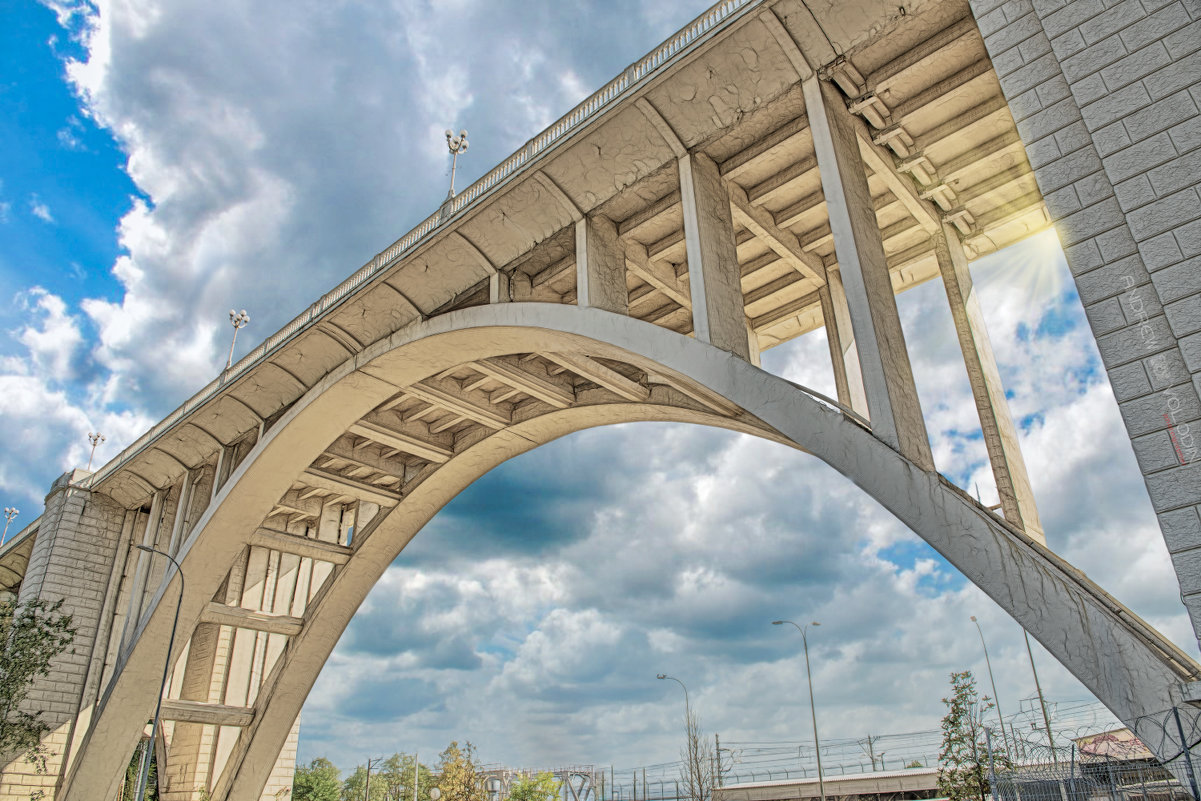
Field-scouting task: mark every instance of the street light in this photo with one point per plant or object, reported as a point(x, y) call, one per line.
point(144, 770)
point(237, 319)
point(456, 145)
point(693, 778)
point(817, 749)
point(995, 698)
point(1042, 702)
point(10, 512)
point(687, 708)
point(95, 439)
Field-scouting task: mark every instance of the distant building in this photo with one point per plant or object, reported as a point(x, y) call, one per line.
point(912, 784)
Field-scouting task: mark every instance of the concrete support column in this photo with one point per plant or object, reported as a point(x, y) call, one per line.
point(142, 571)
point(718, 314)
point(72, 561)
point(600, 266)
point(892, 399)
point(996, 423)
point(844, 355)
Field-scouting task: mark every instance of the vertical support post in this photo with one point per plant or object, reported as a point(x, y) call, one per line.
point(498, 288)
point(992, 768)
point(600, 266)
point(718, 313)
point(844, 356)
point(1187, 753)
point(896, 414)
point(142, 571)
point(755, 354)
point(996, 422)
point(182, 508)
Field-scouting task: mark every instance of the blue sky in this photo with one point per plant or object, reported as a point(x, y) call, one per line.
point(176, 159)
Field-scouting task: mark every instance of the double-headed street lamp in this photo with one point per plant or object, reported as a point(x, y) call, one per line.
point(144, 770)
point(95, 438)
point(817, 748)
point(10, 512)
point(456, 145)
point(238, 319)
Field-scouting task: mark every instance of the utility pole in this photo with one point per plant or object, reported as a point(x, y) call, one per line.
point(871, 754)
point(367, 786)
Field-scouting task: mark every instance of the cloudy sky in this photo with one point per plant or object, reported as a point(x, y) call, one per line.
point(165, 160)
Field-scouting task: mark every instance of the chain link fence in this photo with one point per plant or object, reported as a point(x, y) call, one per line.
point(1111, 766)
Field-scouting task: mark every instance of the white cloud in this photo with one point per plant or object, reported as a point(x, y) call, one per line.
point(53, 340)
point(279, 147)
point(40, 210)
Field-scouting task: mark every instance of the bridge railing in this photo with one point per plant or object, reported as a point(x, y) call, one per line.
point(699, 29)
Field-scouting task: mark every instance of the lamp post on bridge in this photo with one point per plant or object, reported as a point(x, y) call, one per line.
point(95, 439)
point(144, 769)
point(238, 319)
point(10, 512)
point(456, 145)
point(817, 749)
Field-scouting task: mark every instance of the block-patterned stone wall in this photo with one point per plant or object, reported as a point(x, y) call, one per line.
point(71, 561)
point(1106, 94)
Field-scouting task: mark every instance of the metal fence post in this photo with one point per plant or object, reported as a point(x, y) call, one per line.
point(992, 768)
point(1188, 755)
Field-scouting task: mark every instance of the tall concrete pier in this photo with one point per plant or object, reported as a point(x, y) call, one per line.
point(771, 169)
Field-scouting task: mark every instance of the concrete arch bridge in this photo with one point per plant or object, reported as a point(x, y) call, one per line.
point(764, 172)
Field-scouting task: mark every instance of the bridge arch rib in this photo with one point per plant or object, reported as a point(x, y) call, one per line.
point(1128, 665)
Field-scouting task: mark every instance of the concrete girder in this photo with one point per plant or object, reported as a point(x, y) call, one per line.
point(305, 547)
point(212, 714)
point(239, 617)
point(658, 274)
point(1123, 661)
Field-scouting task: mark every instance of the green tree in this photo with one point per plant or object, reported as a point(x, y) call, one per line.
point(459, 776)
point(320, 780)
point(963, 758)
point(542, 787)
point(132, 773)
point(31, 636)
point(395, 775)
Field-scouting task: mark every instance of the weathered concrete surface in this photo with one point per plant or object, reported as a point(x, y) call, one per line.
point(71, 561)
point(1128, 666)
point(1105, 97)
point(727, 190)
